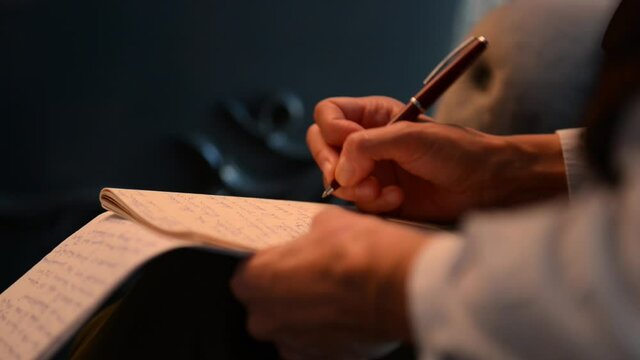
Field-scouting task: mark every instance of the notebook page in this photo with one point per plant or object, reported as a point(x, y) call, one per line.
point(48, 304)
point(235, 222)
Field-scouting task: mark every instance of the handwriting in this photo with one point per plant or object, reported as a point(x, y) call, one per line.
point(52, 300)
point(63, 289)
point(236, 222)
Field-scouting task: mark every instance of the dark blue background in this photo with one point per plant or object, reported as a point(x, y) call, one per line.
point(102, 93)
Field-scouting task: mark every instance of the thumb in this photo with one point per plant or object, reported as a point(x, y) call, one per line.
point(399, 142)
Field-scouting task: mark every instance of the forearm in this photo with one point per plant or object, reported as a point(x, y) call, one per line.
point(524, 168)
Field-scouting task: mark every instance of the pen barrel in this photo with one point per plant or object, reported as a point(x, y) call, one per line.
point(409, 113)
point(432, 90)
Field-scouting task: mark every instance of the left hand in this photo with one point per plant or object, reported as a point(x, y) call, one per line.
point(336, 292)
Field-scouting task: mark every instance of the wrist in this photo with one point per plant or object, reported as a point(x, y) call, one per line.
point(392, 291)
point(525, 168)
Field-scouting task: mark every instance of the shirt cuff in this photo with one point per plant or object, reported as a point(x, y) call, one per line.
point(426, 286)
point(571, 143)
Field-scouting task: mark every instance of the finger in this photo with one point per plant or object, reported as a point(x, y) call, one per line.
point(345, 193)
point(254, 278)
point(402, 143)
point(323, 154)
point(237, 283)
point(328, 227)
point(389, 199)
point(365, 191)
point(341, 116)
point(325, 219)
point(267, 275)
point(368, 111)
point(337, 118)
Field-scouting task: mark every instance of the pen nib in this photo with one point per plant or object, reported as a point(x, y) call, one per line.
point(328, 191)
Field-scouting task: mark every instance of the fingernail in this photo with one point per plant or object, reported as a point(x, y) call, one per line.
point(344, 172)
point(326, 168)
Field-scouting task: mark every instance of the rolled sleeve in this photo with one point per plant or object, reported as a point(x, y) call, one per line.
point(571, 143)
point(425, 287)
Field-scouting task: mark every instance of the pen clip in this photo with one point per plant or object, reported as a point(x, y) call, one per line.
point(452, 55)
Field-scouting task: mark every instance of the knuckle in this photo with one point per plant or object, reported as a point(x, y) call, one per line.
point(319, 155)
point(325, 217)
point(319, 108)
point(312, 140)
point(403, 125)
point(312, 131)
point(409, 133)
point(355, 142)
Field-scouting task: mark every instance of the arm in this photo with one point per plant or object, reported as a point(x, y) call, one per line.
point(559, 280)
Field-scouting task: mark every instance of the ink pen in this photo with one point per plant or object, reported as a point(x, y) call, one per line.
point(435, 84)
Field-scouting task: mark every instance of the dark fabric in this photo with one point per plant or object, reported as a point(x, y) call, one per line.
point(623, 33)
point(619, 81)
point(180, 307)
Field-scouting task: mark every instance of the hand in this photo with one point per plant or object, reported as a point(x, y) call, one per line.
point(337, 292)
point(427, 171)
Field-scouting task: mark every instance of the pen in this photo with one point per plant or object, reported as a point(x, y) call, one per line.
point(435, 84)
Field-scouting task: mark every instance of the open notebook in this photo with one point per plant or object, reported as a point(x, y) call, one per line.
point(48, 304)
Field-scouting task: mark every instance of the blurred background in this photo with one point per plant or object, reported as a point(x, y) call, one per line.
point(197, 96)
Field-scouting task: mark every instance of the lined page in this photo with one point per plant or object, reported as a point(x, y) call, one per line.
point(41, 310)
point(233, 222)
point(48, 304)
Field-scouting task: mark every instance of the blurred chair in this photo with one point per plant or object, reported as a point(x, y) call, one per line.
point(538, 71)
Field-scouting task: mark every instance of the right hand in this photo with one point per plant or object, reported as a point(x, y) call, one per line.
point(420, 171)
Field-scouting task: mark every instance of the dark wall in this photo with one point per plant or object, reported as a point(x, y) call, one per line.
point(115, 93)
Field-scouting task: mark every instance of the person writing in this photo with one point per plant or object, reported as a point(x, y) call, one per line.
point(557, 278)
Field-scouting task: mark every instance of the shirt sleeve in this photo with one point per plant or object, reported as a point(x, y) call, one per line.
point(574, 162)
point(558, 280)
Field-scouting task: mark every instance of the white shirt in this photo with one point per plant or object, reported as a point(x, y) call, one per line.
point(559, 280)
